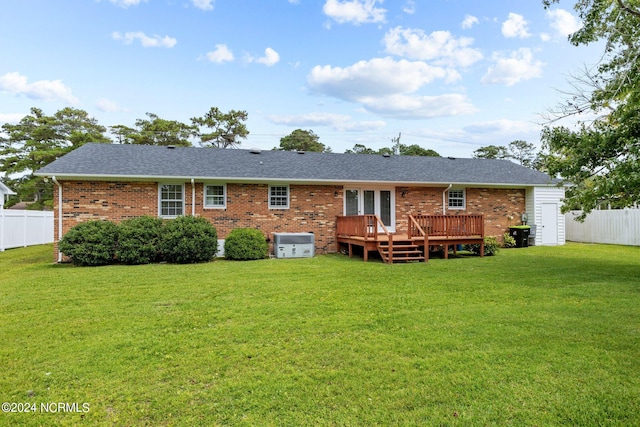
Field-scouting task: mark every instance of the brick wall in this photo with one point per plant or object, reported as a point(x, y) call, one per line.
point(497, 205)
point(313, 208)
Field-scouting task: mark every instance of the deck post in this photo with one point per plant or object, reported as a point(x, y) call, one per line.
point(426, 248)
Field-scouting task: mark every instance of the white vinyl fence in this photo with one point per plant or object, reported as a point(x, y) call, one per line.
point(25, 228)
point(618, 227)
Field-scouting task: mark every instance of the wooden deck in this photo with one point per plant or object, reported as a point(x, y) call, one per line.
point(424, 232)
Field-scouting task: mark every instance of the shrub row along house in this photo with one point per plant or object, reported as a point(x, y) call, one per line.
point(320, 193)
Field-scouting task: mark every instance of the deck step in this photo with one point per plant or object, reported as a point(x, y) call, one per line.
point(401, 251)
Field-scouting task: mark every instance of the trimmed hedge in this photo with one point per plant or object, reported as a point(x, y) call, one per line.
point(139, 240)
point(90, 243)
point(245, 244)
point(189, 239)
point(142, 240)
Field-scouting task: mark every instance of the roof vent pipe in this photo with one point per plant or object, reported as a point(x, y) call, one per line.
point(171, 147)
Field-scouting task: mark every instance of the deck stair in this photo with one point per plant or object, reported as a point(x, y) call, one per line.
point(400, 251)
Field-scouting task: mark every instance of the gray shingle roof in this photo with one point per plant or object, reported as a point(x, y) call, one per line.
point(153, 162)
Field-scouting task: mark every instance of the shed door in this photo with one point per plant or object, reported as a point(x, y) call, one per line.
point(549, 224)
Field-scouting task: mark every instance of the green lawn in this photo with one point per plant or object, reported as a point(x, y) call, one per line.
point(531, 337)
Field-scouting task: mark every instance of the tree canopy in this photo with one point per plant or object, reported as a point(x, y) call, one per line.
point(491, 152)
point(416, 150)
point(156, 131)
point(399, 149)
point(37, 140)
point(303, 140)
point(522, 152)
point(227, 129)
point(601, 158)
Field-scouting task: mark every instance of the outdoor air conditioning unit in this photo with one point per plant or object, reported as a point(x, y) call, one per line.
point(293, 245)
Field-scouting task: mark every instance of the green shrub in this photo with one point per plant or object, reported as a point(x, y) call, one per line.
point(139, 240)
point(508, 241)
point(245, 244)
point(491, 246)
point(189, 239)
point(90, 243)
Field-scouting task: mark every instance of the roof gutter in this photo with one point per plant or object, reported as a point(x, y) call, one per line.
point(270, 180)
point(444, 209)
point(53, 178)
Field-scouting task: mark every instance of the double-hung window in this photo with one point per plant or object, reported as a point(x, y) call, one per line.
point(278, 197)
point(171, 200)
point(215, 196)
point(457, 199)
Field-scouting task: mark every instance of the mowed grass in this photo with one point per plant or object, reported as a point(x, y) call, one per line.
point(531, 337)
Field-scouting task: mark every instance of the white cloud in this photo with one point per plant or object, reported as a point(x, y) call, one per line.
point(515, 26)
point(338, 122)
point(145, 40)
point(440, 46)
point(204, 4)
point(469, 21)
point(419, 107)
point(44, 90)
point(376, 77)
point(517, 66)
point(270, 58)
point(221, 54)
point(502, 127)
point(410, 7)
point(11, 117)
point(563, 22)
point(108, 106)
point(354, 11)
point(385, 86)
point(127, 3)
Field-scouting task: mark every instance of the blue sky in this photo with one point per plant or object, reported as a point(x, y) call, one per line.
point(449, 75)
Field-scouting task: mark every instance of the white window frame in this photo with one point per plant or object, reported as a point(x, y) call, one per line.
point(273, 197)
point(462, 199)
point(224, 197)
point(161, 200)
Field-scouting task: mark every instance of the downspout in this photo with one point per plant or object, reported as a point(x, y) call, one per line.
point(444, 209)
point(53, 178)
point(193, 197)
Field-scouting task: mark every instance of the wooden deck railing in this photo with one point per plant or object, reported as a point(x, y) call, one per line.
point(426, 231)
point(446, 225)
point(367, 226)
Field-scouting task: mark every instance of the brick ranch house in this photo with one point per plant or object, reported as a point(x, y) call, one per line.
point(277, 191)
